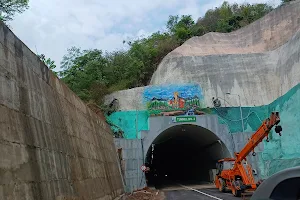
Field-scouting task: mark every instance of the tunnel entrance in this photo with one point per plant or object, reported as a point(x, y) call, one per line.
point(185, 154)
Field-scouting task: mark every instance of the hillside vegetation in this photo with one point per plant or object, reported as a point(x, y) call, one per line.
point(91, 74)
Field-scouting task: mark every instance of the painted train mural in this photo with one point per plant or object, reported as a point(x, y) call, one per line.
point(171, 100)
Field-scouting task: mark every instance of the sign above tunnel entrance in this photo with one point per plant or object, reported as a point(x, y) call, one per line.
point(184, 119)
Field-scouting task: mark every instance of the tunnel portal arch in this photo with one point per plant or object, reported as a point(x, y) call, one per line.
point(186, 151)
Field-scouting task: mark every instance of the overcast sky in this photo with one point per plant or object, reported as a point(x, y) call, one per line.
point(52, 26)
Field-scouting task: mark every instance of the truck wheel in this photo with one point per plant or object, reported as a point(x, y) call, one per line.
point(237, 188)
point(222, 186)
point(237, 193)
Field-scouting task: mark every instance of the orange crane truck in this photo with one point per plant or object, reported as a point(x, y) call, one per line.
point(236, 174)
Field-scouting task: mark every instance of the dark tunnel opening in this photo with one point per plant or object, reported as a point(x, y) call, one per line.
point(184, 154)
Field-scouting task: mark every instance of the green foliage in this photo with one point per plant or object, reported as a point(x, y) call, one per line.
point(147, 54)
point(181, 28)
point(286, 1)
point(48, 62)
point(86, 75)
point(8, 8)
point(230, 17)
point(68, 59)
point(91, 74)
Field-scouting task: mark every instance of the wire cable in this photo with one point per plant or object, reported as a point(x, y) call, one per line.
point(233, 120)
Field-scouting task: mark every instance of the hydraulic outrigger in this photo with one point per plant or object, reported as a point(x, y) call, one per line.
point(239, 178)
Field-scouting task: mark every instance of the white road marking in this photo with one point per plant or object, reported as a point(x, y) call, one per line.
point(201, 192)
point(228, 194)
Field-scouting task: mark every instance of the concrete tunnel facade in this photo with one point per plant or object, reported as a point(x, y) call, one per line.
point(186, 151)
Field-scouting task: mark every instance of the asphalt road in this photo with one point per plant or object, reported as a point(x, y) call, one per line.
point(200, 194)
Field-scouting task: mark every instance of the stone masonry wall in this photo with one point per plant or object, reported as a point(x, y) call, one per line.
point(52, 146)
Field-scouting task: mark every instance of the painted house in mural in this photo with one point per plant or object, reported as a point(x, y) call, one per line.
point(174, 100)
point(177, 101)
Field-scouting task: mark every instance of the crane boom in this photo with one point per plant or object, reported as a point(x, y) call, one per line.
point(258, 136)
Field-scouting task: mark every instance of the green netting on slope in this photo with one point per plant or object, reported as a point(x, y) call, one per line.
point(131, 122)
point(252, 117)
point(281, 152)
point(284, 152)
point(270, 167)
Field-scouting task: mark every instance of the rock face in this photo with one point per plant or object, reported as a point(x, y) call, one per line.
point(265, 34)
point(259, 62)
point(52, 146)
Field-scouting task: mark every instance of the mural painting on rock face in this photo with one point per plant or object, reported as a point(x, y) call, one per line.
point(171, 100)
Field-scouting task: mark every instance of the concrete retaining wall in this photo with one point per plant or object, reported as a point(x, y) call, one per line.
point(131, 158)
point(52, 146)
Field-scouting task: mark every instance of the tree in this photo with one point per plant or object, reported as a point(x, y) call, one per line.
point(147, 54)
point(225, 11)
point(180, 27)
point(48, 62)
point(8, 8)
point(121, 71)
point(69, 59)
point(91, 74)
point(86, 76)
point(230, 17)
point(198, 30)
point(172, 22)
point(210, 19)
